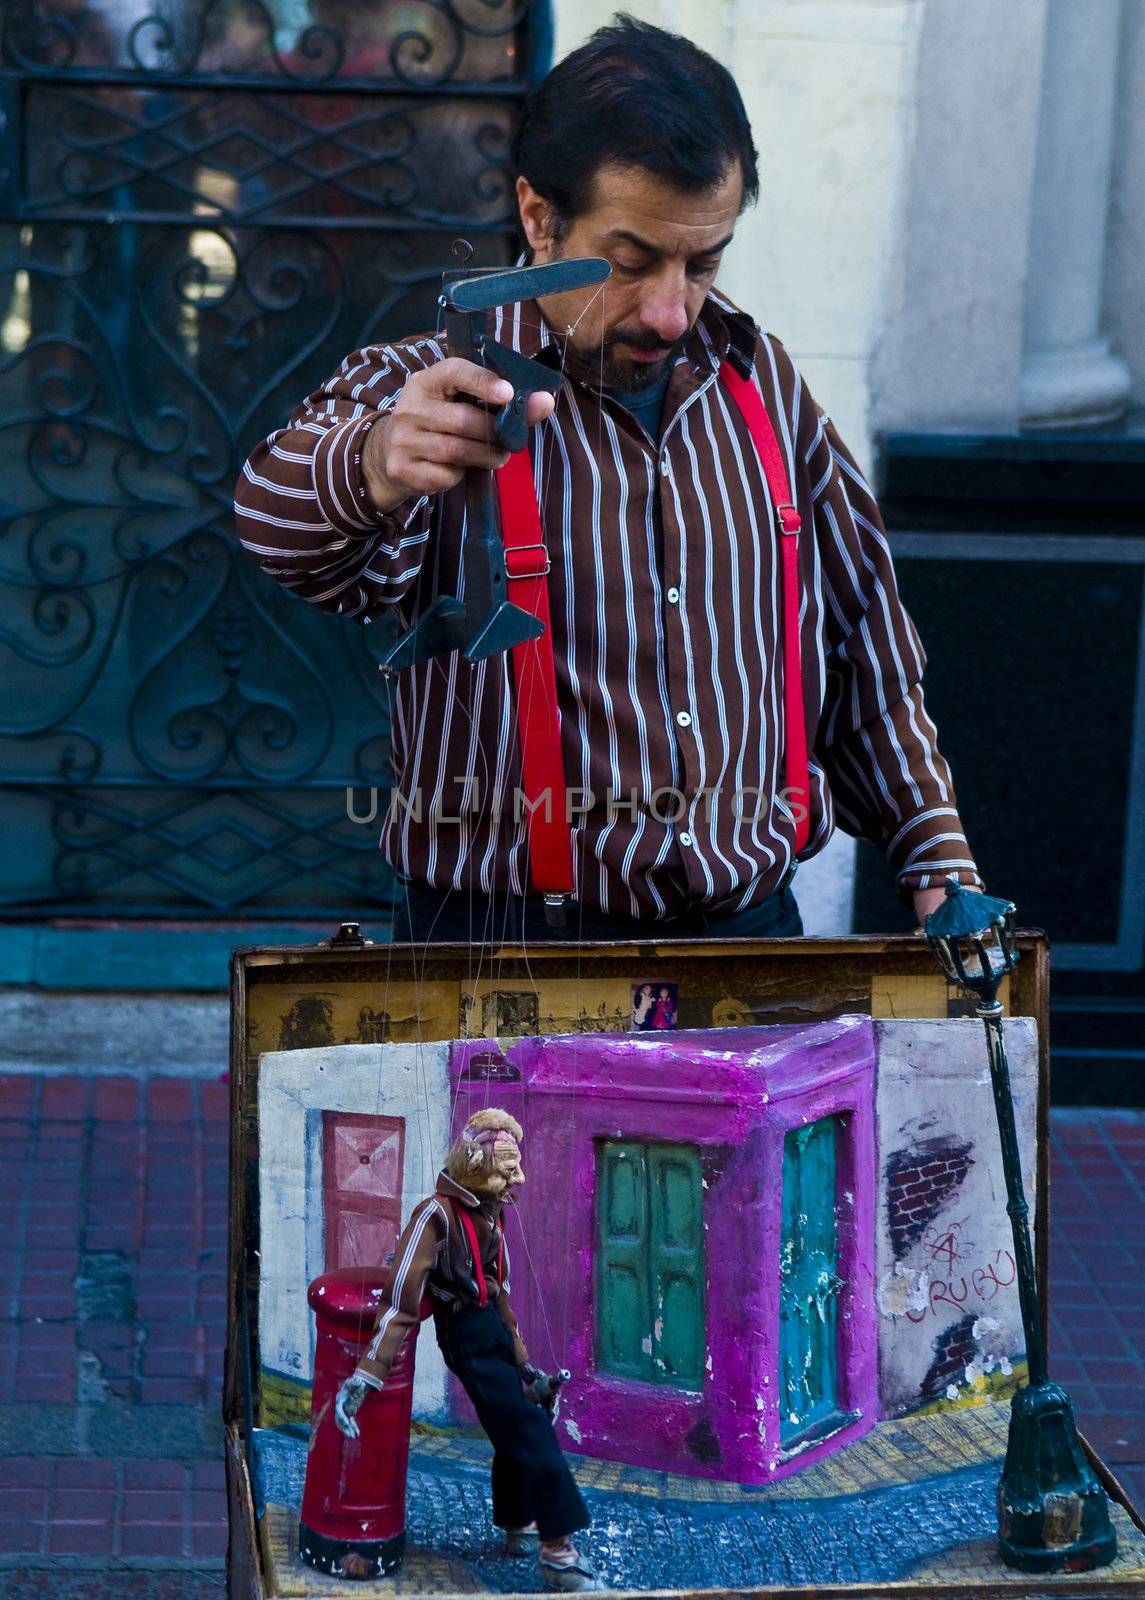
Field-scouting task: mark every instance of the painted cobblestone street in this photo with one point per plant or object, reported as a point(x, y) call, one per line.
point(113, 1260)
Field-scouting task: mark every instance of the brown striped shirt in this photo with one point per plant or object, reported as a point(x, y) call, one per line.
point(666, 607)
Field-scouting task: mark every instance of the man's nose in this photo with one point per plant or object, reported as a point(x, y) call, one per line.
point(664, 309)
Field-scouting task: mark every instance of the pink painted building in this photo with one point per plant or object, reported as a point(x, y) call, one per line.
point(696, 1240)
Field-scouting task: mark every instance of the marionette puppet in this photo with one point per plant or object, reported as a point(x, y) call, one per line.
point(453, 1252)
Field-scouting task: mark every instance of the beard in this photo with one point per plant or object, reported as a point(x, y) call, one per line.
point(608, 362)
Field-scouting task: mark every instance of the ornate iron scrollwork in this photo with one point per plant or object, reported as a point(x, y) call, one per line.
point(212, 208)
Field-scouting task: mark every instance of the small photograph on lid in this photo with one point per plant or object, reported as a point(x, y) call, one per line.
point(655, 1005)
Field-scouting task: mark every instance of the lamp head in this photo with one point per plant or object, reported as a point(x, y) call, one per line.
point(972, 938)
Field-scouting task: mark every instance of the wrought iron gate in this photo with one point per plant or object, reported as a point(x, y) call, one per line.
point(202, 209)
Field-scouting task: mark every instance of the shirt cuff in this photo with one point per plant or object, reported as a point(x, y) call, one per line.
point(370, 1373)
point(934, 877)
point(340, 484)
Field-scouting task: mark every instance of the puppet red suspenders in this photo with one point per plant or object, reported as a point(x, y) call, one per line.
point(468, 1227)
point(534, 670)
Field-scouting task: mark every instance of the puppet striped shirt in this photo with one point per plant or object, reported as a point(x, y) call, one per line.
point(433, 1255)
point(666, 615)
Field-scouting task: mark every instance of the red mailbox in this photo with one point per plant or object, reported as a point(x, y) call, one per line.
point(353, 1506)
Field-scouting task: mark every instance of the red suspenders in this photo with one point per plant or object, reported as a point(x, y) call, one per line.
point(535, 681)
point(797, 778)
point(469, 1229)
point(534, 671)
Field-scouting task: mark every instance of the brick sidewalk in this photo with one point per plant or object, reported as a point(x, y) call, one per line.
point(112, 1267)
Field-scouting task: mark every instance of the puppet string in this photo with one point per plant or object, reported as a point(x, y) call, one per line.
point(477, 949)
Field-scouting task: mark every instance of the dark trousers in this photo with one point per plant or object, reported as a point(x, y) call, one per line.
point(531, 1479)
point(423, 915)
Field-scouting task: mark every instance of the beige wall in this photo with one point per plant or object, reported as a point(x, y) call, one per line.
point(827, 87)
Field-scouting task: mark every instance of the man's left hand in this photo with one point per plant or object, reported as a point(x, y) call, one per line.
point(928, 900)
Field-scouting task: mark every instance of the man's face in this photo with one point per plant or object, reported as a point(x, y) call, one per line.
point(664, 247)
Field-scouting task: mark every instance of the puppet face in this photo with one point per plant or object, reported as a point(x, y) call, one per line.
point(486, 1160)
point(665, 248)
point(508, 1174)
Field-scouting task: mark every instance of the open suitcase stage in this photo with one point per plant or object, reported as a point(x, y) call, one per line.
point(807, 1106)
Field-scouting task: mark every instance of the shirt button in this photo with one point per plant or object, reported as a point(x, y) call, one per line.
point(685, 838)
point(684, 718)
point(674, 596)
point(664, 467)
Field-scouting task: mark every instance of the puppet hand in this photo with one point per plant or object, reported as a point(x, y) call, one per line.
point(347, 1402)
point(543, 1388)
point(534, 1381)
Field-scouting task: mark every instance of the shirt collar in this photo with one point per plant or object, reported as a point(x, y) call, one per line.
point(454, 1191)
point(449, 1189)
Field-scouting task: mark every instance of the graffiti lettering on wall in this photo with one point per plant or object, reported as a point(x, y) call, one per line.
point(948, 1288)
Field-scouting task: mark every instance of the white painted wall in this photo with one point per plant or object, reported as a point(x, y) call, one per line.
point(934, 1084)
point(410, 1081)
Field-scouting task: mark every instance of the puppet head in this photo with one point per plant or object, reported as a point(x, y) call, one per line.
point(486, 1159)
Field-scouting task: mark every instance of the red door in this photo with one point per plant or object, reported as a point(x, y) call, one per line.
point(361, 1187)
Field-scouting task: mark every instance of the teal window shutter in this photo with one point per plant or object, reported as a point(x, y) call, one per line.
point(809, 1282)
point(650, 1254)
point(622, 1200)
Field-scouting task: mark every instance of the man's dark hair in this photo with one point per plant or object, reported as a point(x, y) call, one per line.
point(637, 96)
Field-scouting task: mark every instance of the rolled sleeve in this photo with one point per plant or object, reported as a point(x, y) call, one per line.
point(889, 780)
point(302, 507)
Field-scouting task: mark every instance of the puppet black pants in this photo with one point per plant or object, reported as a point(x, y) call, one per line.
point(531, 1479)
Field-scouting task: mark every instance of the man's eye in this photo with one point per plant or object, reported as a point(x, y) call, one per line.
point(703, 269)
point(629, 267)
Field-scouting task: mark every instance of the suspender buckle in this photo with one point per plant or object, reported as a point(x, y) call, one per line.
point(556, 914)
point(536, 570)
point(788, 519)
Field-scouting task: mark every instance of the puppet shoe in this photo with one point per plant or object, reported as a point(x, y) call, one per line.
point(573, 1577)
point(522, 1541)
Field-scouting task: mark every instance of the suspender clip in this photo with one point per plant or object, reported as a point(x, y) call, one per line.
point(537, 567)
point(556, 914)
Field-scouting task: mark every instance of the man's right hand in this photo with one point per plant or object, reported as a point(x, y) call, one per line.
point(436, 430)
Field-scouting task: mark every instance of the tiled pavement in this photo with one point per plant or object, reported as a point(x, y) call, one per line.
point(113, 1211)
point(112, 1270)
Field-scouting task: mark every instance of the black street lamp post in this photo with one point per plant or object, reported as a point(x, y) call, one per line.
point(1053, 1515)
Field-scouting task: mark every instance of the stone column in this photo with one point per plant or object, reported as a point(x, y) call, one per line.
point(1069, 374)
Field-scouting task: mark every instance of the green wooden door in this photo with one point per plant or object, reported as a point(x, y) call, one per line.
point(650, 1255)
point(809, 1283)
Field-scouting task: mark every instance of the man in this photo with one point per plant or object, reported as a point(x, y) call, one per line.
point(453, 1248)
point(665, 586)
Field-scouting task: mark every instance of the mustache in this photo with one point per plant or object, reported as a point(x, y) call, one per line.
point(639, 341)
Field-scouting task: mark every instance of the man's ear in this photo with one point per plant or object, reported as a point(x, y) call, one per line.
point(538, 220)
